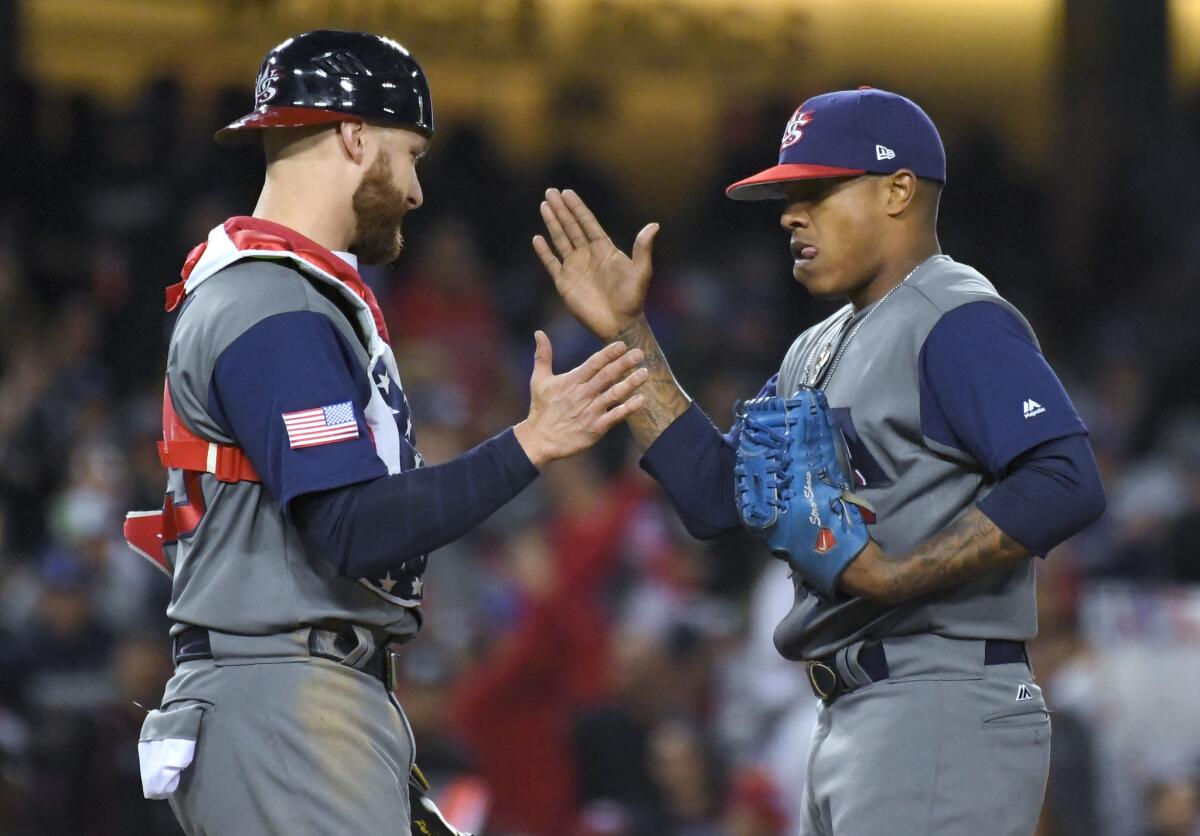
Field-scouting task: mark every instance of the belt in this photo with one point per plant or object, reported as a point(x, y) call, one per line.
point(827, 684)
point(340, 646)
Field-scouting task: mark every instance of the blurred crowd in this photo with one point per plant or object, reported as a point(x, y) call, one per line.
point(586, 667)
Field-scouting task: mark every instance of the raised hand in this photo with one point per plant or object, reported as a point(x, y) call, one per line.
point(604, 288)
point(570, 412)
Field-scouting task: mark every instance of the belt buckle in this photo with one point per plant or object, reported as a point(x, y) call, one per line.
point(352, 646)
point(823, 680)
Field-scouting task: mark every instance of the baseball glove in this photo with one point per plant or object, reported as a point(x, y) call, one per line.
point(791, 488)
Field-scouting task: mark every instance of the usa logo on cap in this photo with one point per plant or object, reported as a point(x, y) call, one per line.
point(795, 125)
point(864, 131)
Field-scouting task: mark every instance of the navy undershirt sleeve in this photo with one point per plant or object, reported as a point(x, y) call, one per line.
point(987, 391)
point(694, 464)
point(296, 365)
point(1052, 492)
point(367, 529)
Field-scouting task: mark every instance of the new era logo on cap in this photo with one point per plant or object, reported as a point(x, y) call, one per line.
point(848, 133)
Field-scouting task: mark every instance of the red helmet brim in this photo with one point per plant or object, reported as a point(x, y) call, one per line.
point(244, 129)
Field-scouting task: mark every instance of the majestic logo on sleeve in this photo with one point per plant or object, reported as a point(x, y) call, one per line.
point(265, 89)
point(1032, 408)
point(794, 130)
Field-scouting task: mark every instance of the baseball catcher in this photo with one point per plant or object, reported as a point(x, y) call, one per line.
point(298, 515)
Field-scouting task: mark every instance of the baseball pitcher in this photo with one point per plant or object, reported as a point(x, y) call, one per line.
point(910, 459)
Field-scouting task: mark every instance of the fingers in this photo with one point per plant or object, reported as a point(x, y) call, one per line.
point(587, 221)
point(552, 264)
point(558, 235)
point(566, 219)
point(642, 245)
point(622, 391)
point(543, 358)
point(618, 414)
point(593, 365)
point(613, 372)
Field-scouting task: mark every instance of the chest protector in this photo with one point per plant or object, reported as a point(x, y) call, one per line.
point(147, 532)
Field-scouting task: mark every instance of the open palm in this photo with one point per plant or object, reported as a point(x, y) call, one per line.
point(604, 288)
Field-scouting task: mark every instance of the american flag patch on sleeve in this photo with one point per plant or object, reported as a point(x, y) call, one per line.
point(323, 425)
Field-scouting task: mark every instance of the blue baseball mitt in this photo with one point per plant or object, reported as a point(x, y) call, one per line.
point(791, 488)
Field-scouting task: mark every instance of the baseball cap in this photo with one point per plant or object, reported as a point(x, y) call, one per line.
point(847, 133)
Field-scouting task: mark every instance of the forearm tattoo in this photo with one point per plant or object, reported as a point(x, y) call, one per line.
point(665, 400)
point(967, 548)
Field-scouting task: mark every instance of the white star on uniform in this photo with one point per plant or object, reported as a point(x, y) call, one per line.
point(387, 583)
point(384, 382)
point(417, 586)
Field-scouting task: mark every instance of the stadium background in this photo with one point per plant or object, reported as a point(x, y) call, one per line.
point(586, 666)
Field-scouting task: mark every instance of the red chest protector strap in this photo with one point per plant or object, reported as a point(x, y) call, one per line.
point(182, 449)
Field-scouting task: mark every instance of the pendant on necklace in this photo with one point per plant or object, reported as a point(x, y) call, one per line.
point(813, 371)
point(823, 356)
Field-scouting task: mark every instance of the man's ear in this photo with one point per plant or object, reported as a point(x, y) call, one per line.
point(901, 191)
point(353, 136)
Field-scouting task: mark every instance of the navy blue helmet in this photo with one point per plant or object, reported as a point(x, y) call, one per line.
point(329, 76)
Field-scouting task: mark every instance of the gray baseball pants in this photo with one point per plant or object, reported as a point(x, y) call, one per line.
point(945, 745)
point(288, 744)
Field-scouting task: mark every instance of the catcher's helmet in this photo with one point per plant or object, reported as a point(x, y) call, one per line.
point(331, 76)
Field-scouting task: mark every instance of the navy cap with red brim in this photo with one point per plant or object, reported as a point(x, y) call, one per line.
point(848, 133)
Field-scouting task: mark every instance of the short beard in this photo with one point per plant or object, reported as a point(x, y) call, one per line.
point(379, 208)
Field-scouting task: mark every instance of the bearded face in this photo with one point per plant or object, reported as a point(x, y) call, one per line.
point(379, 208)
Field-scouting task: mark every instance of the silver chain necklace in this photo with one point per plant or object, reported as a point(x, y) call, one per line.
point(814, 366)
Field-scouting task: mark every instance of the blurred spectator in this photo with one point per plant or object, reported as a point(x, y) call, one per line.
point(755, 806)
point(685, 767)
point(57, 660)
point(86, 775)
point(1173, 808)
point(515, 709)
point(1062, 661)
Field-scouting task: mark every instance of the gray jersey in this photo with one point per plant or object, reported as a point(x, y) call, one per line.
point(241, 565)
point(919, 469)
